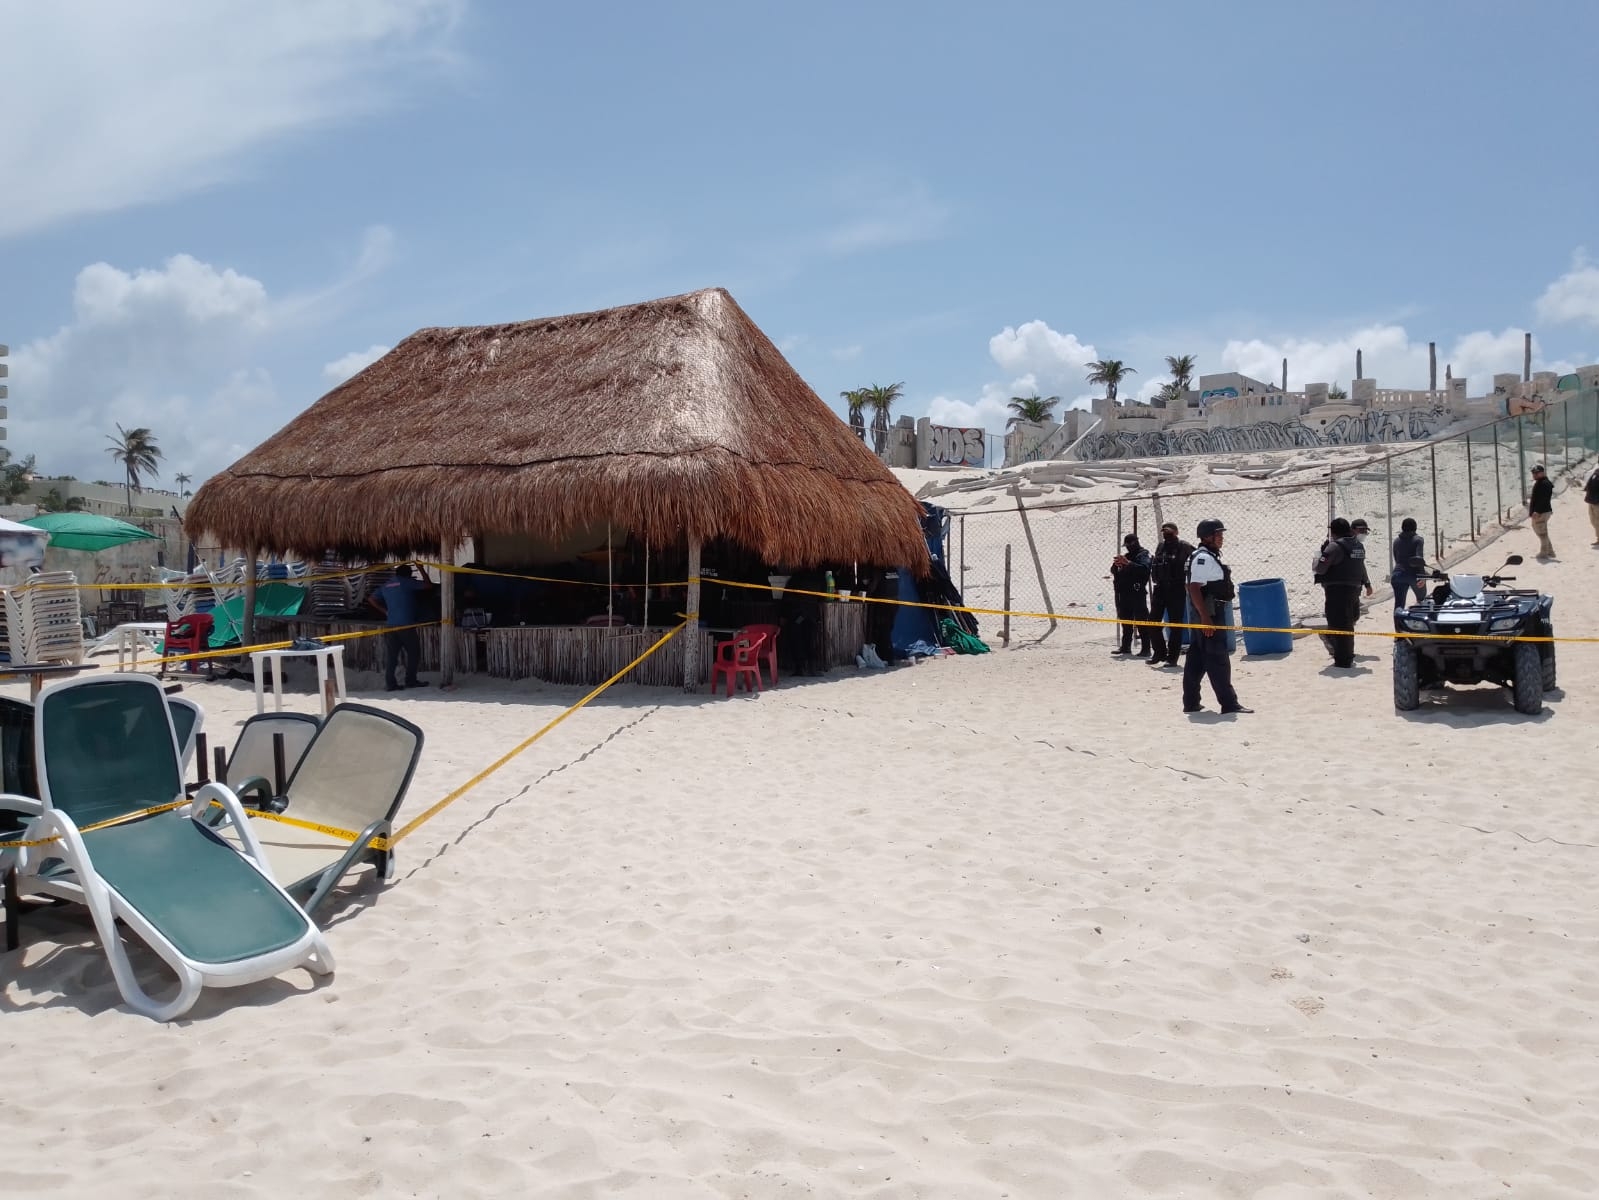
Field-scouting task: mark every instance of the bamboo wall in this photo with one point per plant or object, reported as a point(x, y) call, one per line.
point(844, 631)
point(588, 655)
point(564, 653)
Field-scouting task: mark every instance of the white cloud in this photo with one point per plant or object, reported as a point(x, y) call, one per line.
point(343, 367)
point(1054, 362)
point(132, 104)
point(176, 349)
point(1040, 361)
point(1574, 297)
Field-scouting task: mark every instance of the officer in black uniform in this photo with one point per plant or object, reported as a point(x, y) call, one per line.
point(1341, 571)
point(1129, 573)
point(1171, 596)
point(1210, 587)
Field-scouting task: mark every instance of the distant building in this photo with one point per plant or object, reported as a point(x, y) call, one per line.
point(107, 499)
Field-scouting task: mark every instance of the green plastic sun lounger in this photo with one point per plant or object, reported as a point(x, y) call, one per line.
point(106, 751)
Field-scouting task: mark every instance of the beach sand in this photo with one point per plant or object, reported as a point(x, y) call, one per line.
point(1006, 926)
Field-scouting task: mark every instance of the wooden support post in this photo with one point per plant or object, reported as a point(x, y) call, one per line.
point(691, 650)
point(247, 625)
point(1038, 563)
point(446, 614)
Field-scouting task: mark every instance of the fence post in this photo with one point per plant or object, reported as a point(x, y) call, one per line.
point(1118, 525)
point(1499, 492)
point(1471, 490)
point(1388, 487)
point(1004, 629)
point(1521, 459)
point(963, 556)
point(1565, 434)
point(1438, 530)
point(1543, 421)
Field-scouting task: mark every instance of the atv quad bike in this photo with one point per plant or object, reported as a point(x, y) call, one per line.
point(1465, 633)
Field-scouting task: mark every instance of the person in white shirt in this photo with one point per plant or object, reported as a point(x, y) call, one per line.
point(1210, 586)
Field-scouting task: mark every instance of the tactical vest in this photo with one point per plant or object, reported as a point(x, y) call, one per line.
point(1218, 591)
point(1350, 571)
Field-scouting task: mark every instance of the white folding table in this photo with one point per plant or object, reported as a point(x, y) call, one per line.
point(329, 660)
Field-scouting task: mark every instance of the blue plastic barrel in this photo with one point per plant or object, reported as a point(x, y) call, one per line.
point(1264, 605)
point(1226, 620)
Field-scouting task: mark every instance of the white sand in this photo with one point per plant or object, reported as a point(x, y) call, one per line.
point(1006, 926)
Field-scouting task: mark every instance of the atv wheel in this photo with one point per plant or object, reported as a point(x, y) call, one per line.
point(1547, 658)
point(1527, 688)
point(1407, 684)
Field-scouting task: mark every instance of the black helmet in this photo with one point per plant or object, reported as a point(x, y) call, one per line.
point(1209, 526)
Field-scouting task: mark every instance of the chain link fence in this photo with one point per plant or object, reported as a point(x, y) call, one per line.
point(1463, 491)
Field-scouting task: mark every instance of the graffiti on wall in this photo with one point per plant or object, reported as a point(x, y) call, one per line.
point(951, 447)
point(1353, 429)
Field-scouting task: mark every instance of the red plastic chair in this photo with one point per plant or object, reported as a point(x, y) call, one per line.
point(738, 657)
point(768, 654)
point(187, 635)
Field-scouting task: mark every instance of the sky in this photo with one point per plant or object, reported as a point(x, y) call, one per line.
point(214, 211)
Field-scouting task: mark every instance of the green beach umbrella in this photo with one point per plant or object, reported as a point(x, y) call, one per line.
point(271, 600)
point(87, 531)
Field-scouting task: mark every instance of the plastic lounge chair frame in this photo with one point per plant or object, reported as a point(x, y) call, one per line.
point(310, 774)
point(251, 771)
point(125, 784)
point(188, 719)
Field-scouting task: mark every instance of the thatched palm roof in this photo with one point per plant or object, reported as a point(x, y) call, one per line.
point(669, 418)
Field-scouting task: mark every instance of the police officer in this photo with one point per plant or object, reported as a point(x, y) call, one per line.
point(1171, 596)
point(1129, 573)
point(1341, 571)
point(1210, 587)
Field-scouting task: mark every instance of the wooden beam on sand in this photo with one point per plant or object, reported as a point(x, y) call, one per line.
point(1038, 565)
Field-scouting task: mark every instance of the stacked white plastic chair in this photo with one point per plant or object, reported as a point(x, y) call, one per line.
point(228, 583)
point(177, 598)
point(330, 596)
point(44, 619)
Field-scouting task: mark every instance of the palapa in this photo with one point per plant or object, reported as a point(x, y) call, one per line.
point(675, 419)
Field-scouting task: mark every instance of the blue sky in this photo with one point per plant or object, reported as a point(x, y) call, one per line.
point(214, 213)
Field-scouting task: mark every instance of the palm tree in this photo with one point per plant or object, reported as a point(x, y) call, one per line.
point(855, 398)
point(181, 479)
point(1034, 408)
point(136, 450)
point(1111, 372)
point(1181, 367)
point(1170, 394)
point(1337, 393)
point(880, 399)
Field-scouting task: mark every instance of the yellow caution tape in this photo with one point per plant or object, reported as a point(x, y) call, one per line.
point(106, 824)
point(1297, 630)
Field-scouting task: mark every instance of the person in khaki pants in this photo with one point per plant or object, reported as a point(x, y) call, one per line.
point(1539, 506)
point(1590, 493)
